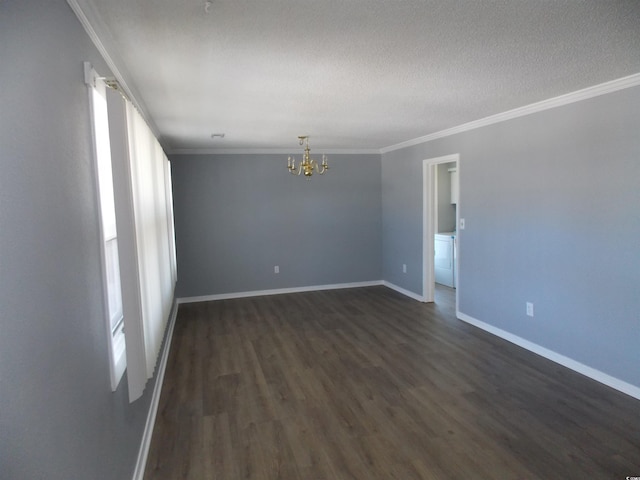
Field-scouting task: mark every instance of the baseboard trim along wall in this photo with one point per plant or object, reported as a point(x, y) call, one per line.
point(143, 453)
point(403, 291)
point(585, 370)
point(277, 291)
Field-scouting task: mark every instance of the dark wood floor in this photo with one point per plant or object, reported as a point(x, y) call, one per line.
point(368, 384)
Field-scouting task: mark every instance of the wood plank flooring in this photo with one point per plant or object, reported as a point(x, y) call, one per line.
point(368, 384)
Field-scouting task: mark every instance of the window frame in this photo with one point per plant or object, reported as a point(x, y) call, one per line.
point(109, 262)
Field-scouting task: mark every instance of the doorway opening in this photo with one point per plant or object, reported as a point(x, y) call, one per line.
point(441, 217)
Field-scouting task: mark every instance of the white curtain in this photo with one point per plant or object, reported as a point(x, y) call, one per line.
point(144, 214)
point(151, 223)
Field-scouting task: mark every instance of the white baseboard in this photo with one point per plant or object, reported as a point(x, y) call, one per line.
point(585, 370)
point(277, 291)
point(143, 453)
point(403, 291)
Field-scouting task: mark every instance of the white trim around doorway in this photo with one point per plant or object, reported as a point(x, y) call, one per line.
point(429, 215)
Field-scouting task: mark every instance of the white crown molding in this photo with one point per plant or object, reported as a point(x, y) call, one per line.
point(597, 375)
point(112, 64)
point(579, 95)
point(277, 291)
point(566, 99)
point(269, 151)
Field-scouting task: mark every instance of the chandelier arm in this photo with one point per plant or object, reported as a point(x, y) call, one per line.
point(295, 171)
point(320, 167)
point(291, 166)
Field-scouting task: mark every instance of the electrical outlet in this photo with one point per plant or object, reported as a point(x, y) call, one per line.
point(529, 309)
point(404, 268)
point(462, 224)
point(276, 269)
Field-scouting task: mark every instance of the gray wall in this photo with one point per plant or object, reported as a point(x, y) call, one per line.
point(237, 216)
point(446, 210)
point(551, 202)
point(58, 416)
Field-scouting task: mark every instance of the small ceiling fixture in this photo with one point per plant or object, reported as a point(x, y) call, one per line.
point(217, 135)
point(307, 164)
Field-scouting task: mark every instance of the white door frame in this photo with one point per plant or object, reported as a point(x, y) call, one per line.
point(429, 216)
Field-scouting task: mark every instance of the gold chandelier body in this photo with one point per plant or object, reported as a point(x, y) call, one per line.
point(307, 165)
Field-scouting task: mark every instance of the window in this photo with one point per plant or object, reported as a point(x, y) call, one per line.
point(108, 233)
point(136, 227)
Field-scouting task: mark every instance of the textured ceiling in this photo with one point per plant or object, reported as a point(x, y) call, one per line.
point(354, 74)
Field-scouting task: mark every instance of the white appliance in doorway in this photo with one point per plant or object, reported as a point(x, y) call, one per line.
point(444, 260)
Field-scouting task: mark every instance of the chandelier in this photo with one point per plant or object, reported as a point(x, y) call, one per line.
point(307, 164)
